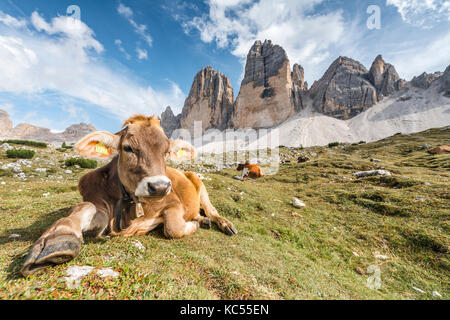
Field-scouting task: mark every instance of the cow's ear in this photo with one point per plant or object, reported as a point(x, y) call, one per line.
point(181, 150)
point(98, 145)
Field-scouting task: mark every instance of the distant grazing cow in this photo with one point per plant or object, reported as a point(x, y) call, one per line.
point(131, 195)
point(252, 171)
point(439, 150)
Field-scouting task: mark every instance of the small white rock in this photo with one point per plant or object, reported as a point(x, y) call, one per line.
point(436, 294)
point(418, 290)
point(74, 275)
point(3, 182)
point(380, 256)
point(14, 236)
point(355, 254)
point(46, 194)
point(68, 171)
point(372, 173)
point(297, 203)
point(107, 272)
point(138, 245)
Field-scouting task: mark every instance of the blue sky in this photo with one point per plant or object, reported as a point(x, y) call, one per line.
point(136, 56)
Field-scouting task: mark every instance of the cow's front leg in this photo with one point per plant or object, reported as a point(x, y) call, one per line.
point(174, 224)
point(139, 226)
point(62, 241)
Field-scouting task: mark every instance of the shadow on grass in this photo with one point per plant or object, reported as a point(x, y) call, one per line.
point(32, 233)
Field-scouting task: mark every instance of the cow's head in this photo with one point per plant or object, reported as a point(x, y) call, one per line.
point(241, 166)
point(143, 149)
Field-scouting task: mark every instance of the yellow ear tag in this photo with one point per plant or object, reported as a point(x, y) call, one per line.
point(101, 148)
point(181, 153)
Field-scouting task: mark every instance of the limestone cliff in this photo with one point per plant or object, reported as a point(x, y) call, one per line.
point(384, 77)
point(266, 97)
point(344, 90)
point(210, 101)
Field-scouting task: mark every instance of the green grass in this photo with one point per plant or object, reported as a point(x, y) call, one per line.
point(83, 163)
point(277, 254)
point(20, 153)
point(27, 143)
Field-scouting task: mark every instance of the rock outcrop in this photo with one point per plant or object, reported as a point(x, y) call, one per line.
point(344, 90)
point(425, 79)
point(444, 82)
point(5, 123)
point(77, 131)
point(384, 77)
point(266, 97)
point(169, 121)
point(210, 101)
point(299, 87)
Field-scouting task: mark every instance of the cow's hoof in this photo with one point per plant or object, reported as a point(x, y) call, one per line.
point(51, 251)
point(226, 226)
point(205, 223)
point(230, 230)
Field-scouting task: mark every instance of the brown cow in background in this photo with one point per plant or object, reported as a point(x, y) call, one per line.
point(251, 171)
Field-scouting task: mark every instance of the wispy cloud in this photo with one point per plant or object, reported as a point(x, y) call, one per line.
point(422, 13)
point(63, 56)
point(140, 29)
point(142, 53)
point(119, 45)
point(237, 24)
point(11, 21)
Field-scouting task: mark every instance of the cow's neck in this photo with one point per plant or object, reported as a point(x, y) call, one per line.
point(123, 205)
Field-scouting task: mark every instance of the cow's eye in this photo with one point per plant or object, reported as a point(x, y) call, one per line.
point(127, 149)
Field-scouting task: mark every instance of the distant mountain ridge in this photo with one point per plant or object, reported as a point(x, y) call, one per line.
point(25, 131)
point(271, 93)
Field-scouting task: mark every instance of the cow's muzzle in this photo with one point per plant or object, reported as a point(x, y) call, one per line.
point(156, 186)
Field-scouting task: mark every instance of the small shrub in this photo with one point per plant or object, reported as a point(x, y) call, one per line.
point(361, 142)
point(83, 163)
point(28, 143)
point(333, 144)
point(65, 146)
point(20, 153)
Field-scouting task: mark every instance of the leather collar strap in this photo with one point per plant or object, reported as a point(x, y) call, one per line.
point(125, 199)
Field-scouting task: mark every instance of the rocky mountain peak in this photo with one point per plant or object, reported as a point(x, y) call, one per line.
point(210, 100)
point(169, 121)
point(384, 77)
point(344, 90)
point(425, 79)
point(298, 77)
point(266, 96)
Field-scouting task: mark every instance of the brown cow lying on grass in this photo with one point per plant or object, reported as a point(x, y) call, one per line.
point(251, 171)
point(131, 195)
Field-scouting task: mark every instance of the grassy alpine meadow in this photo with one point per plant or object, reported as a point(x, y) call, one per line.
point(377, 237)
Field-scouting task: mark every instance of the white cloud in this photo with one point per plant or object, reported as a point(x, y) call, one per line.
point(429, 58)
point(76, 113)
point(422, 13)
point(119, 45)
point(140, 29)
point(11, 21)
point(65, 57)
point(142, 53)
point(125, 11)
point(306, 37)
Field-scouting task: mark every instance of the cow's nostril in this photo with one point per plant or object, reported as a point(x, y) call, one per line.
point(151, 189)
